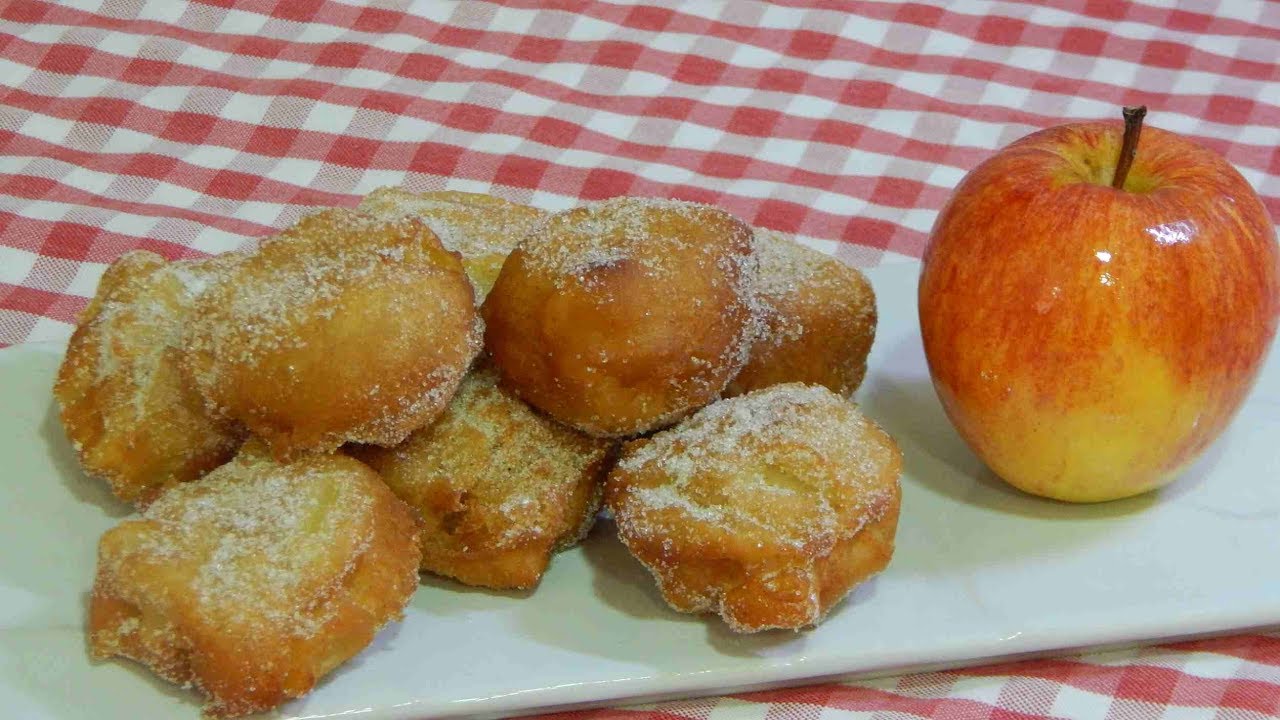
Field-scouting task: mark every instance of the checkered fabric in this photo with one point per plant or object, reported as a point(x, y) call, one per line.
point(192, 128)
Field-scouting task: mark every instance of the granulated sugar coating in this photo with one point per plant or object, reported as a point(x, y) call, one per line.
point(499, 487)
point(482, 228)
point(342, 328)
point(256, 581)
point(765, 508)
point(818, 320)
point(125, 405)
point(624, 315)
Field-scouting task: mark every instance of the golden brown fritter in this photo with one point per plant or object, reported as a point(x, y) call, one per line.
point(766, 508)
point(818, 320)
point(499, 487)
point(623, 316)
point(482, 228)
point(256, 581)
point(127, 408)
point(343, 328)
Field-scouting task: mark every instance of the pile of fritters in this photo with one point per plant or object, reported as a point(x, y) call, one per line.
point(441, 382)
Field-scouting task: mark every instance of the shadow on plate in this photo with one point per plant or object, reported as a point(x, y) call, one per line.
point(54, 516)
point(622, 583)
point(80, 486)
point(783, 643)
point(38, 663)
point(439, 582)
point(384, 643)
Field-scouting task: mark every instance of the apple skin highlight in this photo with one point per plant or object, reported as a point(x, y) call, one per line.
point(1090, 342)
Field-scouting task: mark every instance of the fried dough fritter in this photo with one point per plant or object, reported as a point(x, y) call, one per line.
point(500, 488)
point(623, 316)
point(256, 581)
point(482, 228)
point(125, 405)
point(767, 508)
point(342, 328)
point(818, 320)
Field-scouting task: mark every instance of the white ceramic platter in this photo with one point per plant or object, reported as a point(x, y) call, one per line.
point(981, 572)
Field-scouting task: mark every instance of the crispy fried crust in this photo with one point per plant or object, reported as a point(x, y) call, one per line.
point(343, 328)
point(623, 316)
point(126, 407)
point(253, 583)
point(499, 487)
point(818, 320)
point(482, 228)
point(766, 508)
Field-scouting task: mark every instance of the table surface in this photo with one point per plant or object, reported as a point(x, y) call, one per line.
point(193, 128)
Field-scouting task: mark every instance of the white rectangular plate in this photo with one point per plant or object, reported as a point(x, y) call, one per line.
point(981, 572)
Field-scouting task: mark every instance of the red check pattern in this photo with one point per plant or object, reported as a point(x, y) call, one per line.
point(192, 128)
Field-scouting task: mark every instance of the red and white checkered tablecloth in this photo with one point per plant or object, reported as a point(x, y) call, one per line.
point(191, 128)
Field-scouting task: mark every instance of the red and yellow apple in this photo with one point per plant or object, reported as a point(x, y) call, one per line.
point(1087, 340)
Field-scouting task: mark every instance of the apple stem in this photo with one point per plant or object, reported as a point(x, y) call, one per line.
point(1133, 116)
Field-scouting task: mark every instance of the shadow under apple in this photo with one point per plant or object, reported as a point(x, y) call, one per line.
point(950, 498)
point(936, 457)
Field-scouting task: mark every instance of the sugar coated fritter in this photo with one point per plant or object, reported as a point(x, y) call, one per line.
point(256, 581)
point(128, 410)
point(500, 487)
point(342, 328)
point(818, 320)
point(482, 228)
point(766, 509)
point(623, 316)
